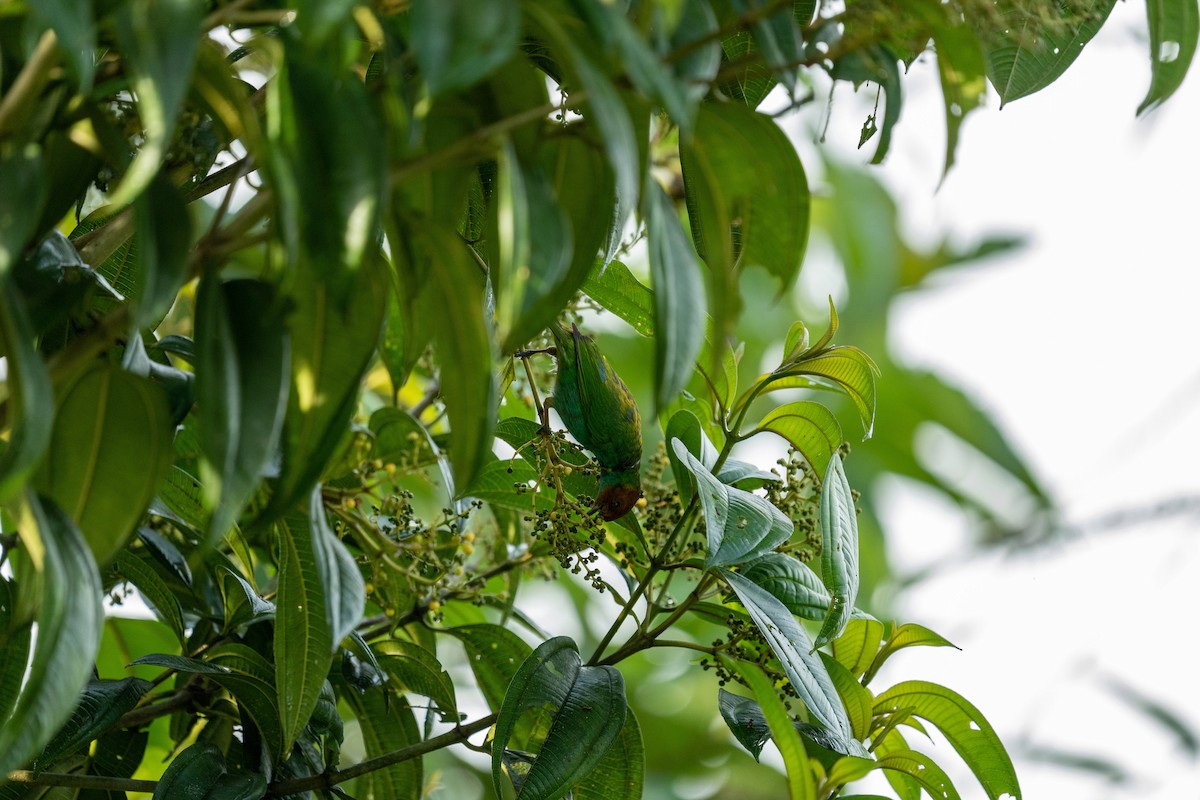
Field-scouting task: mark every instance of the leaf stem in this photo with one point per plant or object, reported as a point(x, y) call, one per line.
point(94, 782)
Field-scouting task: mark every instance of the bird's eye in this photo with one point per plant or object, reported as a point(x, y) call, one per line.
point(614, 504)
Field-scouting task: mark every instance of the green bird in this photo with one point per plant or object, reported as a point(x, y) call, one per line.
point(600, 412)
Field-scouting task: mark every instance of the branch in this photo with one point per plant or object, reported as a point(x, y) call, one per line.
point(330, 779)
point(95, 782)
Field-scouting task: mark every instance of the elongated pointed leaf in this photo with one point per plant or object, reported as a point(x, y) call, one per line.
point(792, 583)
point(961, 66)
point(908, 635)
point(320, 601)
point(1028, 52)
point(839, 550)
point(620, 292)
point(924, 770)
point(23, 177)
point(963, 726)
point(1174, 29)
point(850, 370)
point(465, 351)
point(607, 111)
point(251, 679)
point(856, 698)
point(495, 654)
point(160, 251)
point(242, 379)
point(783, 730)
point(792, 646)
point(620, 775)
point(28, 404)
point(415, 669)
point(110, 449)
point(15, 638)
point(387, 725)
point(740, 526)
point(857, 646)
point(458, 42)
point(153, 588)
point(332, 344)
point(680, 313)
point(76, 30)
point(588, 709)
point(191, 773)
point(748, 202)
point(59, 583)
point(159, 39)
point(685, 426)
point(101, 705)
point(809, 427)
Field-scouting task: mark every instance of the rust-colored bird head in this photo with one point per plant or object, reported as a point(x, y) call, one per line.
point(619, 492)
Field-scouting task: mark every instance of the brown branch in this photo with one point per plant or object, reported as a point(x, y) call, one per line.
point(330, 779)
point(96, 782)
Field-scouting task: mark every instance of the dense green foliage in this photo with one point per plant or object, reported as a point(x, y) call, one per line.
point(264, 268)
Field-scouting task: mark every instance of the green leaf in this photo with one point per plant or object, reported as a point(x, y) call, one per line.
point(783, 730)
point(790, 582)
point(747, 199)
point(110, 449)
point(23, 178)
point(387, 725)
point(962, 69)
point(855, 697)
point(60, 586)
point(242, 370)
point(241, 604)
point(809, 427)
point(777, 37)
point(238, 787)
point(907, 635)
point(320, 601)
point(328, 163)
point(535, 249)
point(839, 550)
point(746, 721)
point(464, 347)
point(963, 726)
point(153, 588)
point(191, 774)
point(680, 314)
point(740, 526)
point(605, 107)
point(615, 288)
point(14, 647)
point(588, 709)
point(250, 678)
point(620, 775)
point(1032, 47)
point(332, 345)
point(792, 646)
point(415, 669)
point(458, 42)
point(685, 426)
point(494, 654)
point(847, 368)
point(750, 80)
point(1174, 29)
point(857, 646)
point(28, 405)
point(159, 40)
point(161, 250)
point(627, 46)
point(924, 770)
point(102, 704)
point(75, 28)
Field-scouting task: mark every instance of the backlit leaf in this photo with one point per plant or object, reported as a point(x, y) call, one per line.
point(809, 427)
point(1174, 29)
point(59, 583)
point(110, 449)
